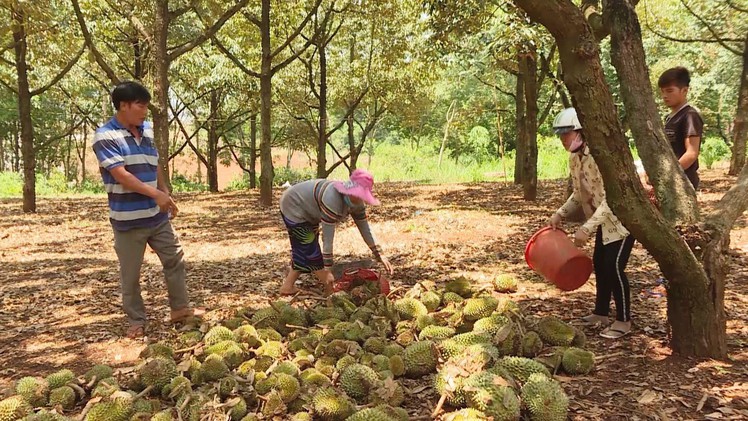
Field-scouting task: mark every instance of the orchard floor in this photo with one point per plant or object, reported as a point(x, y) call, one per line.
point(60, 303)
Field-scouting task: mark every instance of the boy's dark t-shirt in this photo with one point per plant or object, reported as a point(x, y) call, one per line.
point(683, 124)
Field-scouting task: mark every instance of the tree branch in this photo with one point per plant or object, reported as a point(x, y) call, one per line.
point(711, 30)
point(298, 30)
point(173, 14)
point(351, 109)
point(92, 47)
point(234, 59)
point(9, 86)
point(175, 52)
point(306, 45)
point(61, 74)
point(252, 18)
point(731, 206)
point(734, 7)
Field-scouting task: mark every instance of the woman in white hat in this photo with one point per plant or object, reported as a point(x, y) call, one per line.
point(308, 204)
point(613, 242)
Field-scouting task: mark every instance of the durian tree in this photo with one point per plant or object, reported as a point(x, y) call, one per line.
point(689, 247)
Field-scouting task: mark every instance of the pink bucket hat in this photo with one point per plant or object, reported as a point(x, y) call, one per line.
point(359, 185)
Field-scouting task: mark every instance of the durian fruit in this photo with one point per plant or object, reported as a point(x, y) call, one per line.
point(406, 338)
point(375, 345)
point(507, 340)
point(362, 314)
point(301, 416)
point(456, 344)
point(465, 414)
point(14, 408)
point(64, 396)
point(158, 372)
point(410, 308)
point(521, 368)
point(330, 406)
point(318, 314)
point(580, 339)
point(393, 349)
point(461, 286)
point(251, 417)
point(300, 404)
point(357, 380)
point(190, 406)
point(531, 345)
point(397, 365)
point(157, 350)
point(491, 324)
point(272, 349)
point(213, 368)
point(369, 414)
point(451, 297)
point(420, 358)
point(165, 415)
point(344, 362)
point(380, 363)
point(247, 334)
point(269, 334)
point(97, 373)
point(553, 331)
point(478, 308)
point(287, 367)
point(311, 377)
point(60, 378)
point(288, 386)
point(264, 386)
point(340, 347)
point(145, 407)
point(218, 334)
point(178, 387)
point(394, 412)
point(191, 338)
point(110, 411)
point(227, 386)
point(486, 393)
point(424, 321)
point(431, 300)
point(231, 352)
point(507, 306)
point(105, 387)
point(552, 358)
point(290, 318)
point(544, 399)
point(342, 300)
point(238, 410)
point(578, 361)
point(234, 322)
point(34, 390)
point(274, 405)
point(436, 333)
point(505, 283)
point(260, 364)
point(325, 365)
point(266, 317)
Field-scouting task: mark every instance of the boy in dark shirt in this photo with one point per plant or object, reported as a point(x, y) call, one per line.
point(683, 126)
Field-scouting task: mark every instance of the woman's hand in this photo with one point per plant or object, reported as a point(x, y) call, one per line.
point(387, 266)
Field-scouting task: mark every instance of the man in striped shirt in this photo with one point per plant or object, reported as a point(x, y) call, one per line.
point(140, 206)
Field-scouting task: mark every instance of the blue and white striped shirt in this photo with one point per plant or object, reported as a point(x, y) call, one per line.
point(114, 146)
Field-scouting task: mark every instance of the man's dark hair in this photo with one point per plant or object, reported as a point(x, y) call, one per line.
point(678, 76)
point(130, 91)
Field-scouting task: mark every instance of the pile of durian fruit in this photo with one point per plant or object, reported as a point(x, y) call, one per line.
point(346, 358)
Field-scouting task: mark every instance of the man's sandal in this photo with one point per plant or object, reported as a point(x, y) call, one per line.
point(135, 332)
point(612, 333)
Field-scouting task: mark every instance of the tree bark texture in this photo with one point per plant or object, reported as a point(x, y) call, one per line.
point(24, 110)
point(266, 96)
point(529, 67)
point(740, 130)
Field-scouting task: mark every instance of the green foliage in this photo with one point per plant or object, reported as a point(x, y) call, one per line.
point(180, 183)
point(713, 150)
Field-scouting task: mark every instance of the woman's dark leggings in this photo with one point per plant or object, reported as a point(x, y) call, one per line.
point(610, 262)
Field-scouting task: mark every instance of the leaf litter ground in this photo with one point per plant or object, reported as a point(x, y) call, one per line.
point(60, 303)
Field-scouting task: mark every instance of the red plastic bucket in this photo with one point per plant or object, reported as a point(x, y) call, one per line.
point(553, 255)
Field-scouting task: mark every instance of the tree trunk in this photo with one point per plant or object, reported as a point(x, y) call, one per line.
point(83, 153)
point(351, 141)
point(675, 193)
point(212, 167)
point(2, 155)
point(322, 128)
point(24, 111)
point(451, 111)
point(521, 127)
point(199, 162)
point(740, 131)
point(16, 150)
point(266, 96)
point(529, 67)
point(253, 151)
point(695, 306)
point(161, 87)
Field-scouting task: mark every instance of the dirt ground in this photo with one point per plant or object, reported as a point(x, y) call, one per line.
point(60, 303)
